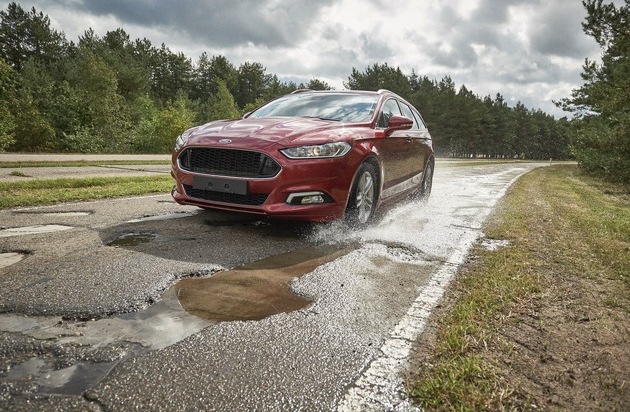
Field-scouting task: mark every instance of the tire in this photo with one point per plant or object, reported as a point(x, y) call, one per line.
point(427, 182)
point(363, 196)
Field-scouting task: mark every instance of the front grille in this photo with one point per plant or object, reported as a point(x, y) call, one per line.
point(253, 199)
point(228, 162)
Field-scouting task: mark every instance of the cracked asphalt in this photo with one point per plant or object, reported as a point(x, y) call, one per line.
point(90, 322)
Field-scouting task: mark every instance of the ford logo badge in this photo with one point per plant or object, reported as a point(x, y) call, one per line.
point(225, 141)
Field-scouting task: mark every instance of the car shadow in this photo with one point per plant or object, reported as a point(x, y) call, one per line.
point(209, 237)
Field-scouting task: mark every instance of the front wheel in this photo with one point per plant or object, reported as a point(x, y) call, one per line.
point(424, 191)
point(427, 183)
point(363, 195)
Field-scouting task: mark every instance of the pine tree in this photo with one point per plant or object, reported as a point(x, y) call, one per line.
point(601, 143)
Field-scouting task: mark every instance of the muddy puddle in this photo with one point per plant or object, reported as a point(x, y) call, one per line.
point(254, 291)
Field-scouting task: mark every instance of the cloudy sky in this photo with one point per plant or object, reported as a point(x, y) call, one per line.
point(527, 50)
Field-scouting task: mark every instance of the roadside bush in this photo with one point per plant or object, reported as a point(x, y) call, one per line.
point(157, 135)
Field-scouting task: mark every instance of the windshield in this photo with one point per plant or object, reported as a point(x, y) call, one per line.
point(343, 107)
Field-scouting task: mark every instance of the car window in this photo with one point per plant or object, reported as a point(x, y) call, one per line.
point(421, 124)
point(344, 107)
point(390, 108)
point(408, 113)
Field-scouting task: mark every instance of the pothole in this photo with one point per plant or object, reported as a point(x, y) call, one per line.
point(132, 239)
point(254, 291)
point(408, 254)
point(33, 230)
point(99, 344)
point(250, 292)
point(10, 258)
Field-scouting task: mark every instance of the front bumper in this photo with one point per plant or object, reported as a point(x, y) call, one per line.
point(275, 197)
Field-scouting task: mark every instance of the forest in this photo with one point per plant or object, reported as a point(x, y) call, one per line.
point(114, 94)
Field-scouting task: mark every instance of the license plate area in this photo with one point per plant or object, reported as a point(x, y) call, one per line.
point(217, 184)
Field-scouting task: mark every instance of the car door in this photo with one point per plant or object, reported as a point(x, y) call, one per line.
point(420, 142)
point(400, 151)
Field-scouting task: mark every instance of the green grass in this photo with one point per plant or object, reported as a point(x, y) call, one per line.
point(560, 225)
point(52, 191)
point(82, 163)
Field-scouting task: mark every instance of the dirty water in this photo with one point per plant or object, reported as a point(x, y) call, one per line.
point(72, 380)
point(156, 327)
point(254, 291)
point(132, 239)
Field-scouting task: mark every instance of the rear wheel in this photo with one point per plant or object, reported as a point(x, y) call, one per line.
point(363, 195)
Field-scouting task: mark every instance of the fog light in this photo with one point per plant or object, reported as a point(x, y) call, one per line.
point(308, 198)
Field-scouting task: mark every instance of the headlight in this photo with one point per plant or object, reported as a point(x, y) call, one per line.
point(321, 150)
point(181, 140)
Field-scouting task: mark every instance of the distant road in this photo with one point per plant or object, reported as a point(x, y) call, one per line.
point(28, 157)
point(28, 173)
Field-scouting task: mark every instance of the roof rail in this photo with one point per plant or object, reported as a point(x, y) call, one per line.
point(383, 91)
point(301, 91)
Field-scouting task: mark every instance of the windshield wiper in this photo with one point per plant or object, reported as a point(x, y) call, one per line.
point(322, 118)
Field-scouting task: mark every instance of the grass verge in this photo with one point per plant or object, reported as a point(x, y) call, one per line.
point(542, 323)
point(52, 191)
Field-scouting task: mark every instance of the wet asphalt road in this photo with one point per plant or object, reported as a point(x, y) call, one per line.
point(88, 320)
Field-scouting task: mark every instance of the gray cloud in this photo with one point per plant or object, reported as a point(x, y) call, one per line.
point(461, 55)
point(337, 63)
point(219, 23)
point(526, 71)
point(558, 31)
point(496, 11)
point(375, 49)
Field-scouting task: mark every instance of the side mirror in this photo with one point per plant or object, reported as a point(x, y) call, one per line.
point(398, 123)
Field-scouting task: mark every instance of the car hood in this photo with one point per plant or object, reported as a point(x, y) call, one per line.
point(264, 131)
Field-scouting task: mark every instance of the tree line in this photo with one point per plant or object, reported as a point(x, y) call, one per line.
point(463, 124)
point(115, 94)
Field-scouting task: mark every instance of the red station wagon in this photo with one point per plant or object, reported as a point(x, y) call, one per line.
point(309, 155)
